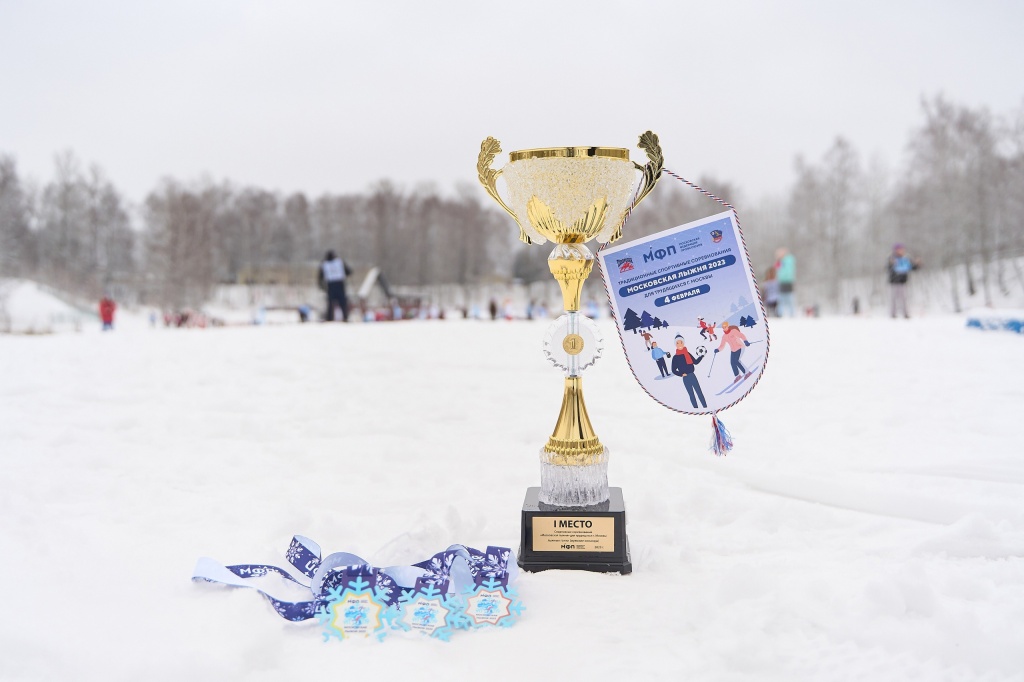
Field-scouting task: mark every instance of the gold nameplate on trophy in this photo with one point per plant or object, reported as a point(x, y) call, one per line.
point(573, 534)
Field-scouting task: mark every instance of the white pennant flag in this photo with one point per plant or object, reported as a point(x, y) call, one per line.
point(689, 314)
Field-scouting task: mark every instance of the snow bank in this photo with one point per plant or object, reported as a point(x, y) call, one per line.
point(30, 308)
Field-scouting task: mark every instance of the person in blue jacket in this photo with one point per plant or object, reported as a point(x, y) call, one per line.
point(900, 266)
point(683, 365)
point(659, 356)
point(785, 275)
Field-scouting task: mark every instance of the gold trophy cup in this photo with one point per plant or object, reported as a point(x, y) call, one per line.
point(569, 196)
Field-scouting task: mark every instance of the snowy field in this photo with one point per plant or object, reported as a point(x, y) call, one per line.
point(868, 525)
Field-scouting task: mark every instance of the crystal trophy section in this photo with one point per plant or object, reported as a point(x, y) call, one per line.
point(573, 464)
point(573, 519)
point(591, 538)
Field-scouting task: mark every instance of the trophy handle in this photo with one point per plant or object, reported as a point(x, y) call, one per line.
point(488, 176)
point(651, 170)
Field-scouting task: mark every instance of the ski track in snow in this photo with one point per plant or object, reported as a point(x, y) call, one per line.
point(868, 524)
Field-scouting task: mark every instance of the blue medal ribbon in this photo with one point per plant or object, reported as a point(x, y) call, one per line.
point(453, 570)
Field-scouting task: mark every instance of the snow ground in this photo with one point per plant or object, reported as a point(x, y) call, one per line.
point(869, 524)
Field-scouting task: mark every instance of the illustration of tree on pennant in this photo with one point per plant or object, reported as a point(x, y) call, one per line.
point(630, 321)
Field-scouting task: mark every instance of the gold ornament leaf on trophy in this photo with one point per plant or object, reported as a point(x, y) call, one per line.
point(592, 222)
point(652, 171)
point(585, 227)
point(655, 163)
point(488, 177)
point(543, 219)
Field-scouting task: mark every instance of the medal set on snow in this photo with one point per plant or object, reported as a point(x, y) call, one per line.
point(460, 588)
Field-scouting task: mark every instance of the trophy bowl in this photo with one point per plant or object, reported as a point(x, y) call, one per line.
point(569, 193)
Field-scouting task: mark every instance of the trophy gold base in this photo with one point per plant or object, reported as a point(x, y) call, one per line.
point(591, 538)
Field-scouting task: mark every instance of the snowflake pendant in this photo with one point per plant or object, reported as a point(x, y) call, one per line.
point(355, 611)
point(430, 612)
point(492, 603)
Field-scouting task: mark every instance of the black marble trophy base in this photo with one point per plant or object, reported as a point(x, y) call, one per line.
point(581, 538)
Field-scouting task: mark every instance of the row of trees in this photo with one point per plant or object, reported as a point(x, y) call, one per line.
point(75, 233)
point(76, 228)
point(958, 202)
point(198, 235)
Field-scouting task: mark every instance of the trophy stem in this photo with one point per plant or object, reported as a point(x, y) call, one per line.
point(574, 463)
point(573, 441)
point(570, 264)
point(573, 329)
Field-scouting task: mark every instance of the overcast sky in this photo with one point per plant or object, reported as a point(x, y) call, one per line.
point(331, 96)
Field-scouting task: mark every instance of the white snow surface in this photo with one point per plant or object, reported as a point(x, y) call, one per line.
point(27, 307)
point(868, 525)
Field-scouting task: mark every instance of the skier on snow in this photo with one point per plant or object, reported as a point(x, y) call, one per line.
point(900, 266)
point(333, 271)
point(734, 337)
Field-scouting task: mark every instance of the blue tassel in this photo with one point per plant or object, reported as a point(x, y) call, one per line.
point(721, 441)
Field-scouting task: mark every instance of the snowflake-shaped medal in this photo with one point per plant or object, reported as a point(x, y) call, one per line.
point(493, 603)
point(354, 612)
point(430, 612)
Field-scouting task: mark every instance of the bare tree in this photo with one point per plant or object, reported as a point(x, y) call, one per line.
point(298, 224)
point(85, 241)
point(181, 224)
point(108, 256)
point(954, 176)
point(16, 239)
point(62, 215)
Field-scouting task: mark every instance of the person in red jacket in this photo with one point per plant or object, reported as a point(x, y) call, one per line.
point(107, 308)
point(734, 337)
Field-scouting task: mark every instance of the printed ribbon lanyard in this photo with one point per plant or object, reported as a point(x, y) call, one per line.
point(456, 569)
point(680, 299)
